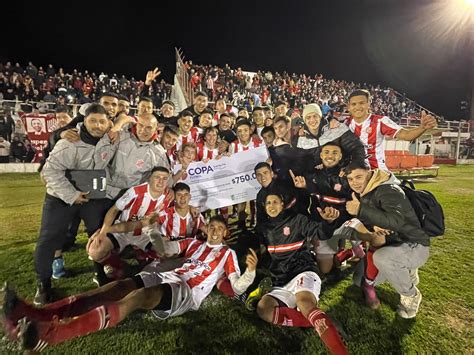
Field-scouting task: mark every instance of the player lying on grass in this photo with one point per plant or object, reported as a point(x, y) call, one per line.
point(293, 300)
point(166, 294)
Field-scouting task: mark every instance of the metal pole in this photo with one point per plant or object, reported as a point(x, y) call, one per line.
point(458, 144)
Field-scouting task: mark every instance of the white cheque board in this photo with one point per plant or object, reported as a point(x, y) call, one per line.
point(226, 181)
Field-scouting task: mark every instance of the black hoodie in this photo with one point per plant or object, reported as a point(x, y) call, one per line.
point(288, 238)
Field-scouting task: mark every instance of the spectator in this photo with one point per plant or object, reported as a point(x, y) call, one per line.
point(4, 150)
point(30, 152)
point(7, 124)
point(18, 150)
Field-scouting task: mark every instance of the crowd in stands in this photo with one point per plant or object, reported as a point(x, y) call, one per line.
point(55, 85)
point(244, 89)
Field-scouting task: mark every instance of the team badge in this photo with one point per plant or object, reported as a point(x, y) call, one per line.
point(286, 231)
point(103, 155)
point(337, 187)
point(369, 130)
point(140, 163)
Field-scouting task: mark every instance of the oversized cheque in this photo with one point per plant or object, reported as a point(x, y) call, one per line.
point(226, 181)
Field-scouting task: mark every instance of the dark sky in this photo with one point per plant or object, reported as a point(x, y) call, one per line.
point(411, 46)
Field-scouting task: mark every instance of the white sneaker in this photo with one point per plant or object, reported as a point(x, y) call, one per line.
point(414, 276)
point(409, 305)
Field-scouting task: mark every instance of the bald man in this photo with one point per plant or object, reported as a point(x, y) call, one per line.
point(134, 155)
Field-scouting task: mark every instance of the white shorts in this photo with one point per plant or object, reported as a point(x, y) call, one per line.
point(123, 239)
point(306, 281)
point(323, 249)
point(162, 265)
point(181, 295)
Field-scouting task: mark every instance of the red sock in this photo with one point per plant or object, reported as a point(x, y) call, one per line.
point(327, 332)
point(99, 318)
point(66, 308)
point(225, 287)
point(290, 317)
point(343, 255)
point(371, 270)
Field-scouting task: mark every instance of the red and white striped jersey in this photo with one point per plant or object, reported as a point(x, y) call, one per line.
point(237, 147)
point(137, 203)
point(203, 152)
point(175, 227)
point(372, 133)
point(192, 136)
point(172, 155)
point(204, 265)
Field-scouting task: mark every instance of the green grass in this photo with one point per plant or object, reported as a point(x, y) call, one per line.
point(444, 324)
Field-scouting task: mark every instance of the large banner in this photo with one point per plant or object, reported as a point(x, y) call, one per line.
point(38, 128)
point(226, 181)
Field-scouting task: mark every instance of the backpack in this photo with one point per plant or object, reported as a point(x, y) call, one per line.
point(427, 209)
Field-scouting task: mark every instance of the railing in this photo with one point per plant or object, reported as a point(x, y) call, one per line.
point(418, 107)
point(49, 107)
point(183, 77)
point(464, 126)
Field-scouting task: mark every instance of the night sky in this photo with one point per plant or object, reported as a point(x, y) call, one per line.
point(411, 46)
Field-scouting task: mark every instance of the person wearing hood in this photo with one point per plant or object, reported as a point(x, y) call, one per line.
point(316, 132)
point(63, 201)
point(382, 206)
point(293, 299)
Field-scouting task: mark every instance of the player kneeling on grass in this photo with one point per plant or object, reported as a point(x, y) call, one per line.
point(166, 294)
point(379, 201)
point(293, 301)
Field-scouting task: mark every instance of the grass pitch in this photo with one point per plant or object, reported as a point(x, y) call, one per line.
point(443, 325)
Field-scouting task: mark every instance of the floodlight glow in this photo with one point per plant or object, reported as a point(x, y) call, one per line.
point(469, 2)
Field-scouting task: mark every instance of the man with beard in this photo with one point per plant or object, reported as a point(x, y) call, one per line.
point(63, 201)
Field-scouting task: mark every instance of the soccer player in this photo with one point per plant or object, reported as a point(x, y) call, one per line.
point(186, 156)
point(329, 189)
point(317, 132)
point(372, 129)
point(293, 300)
point(187, 133)
point(268, 135)
point(177, 222)
point(379, 201)
point(205, 121)
point(168, 141)
point(166, 294)
point(258, 117)
point(244, 139)
point(243, 143)
point(137, 203)
point(208, 148)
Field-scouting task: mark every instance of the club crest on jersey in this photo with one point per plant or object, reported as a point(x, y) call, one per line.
point(337, 187)
point(140, 164)
point(286, 231)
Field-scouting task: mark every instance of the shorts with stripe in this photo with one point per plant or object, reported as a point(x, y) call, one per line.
point(182, 299)
point(306, 281)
